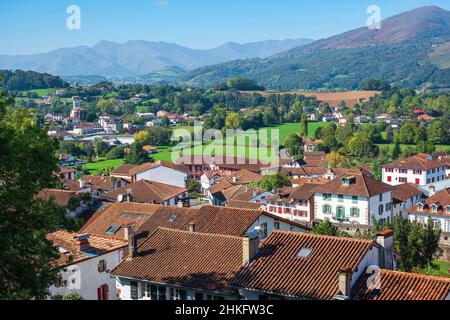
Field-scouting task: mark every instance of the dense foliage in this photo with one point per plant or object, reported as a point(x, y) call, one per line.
point(27, 80)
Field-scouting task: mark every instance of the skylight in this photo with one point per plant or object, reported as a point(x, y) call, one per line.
point(112, 229)
point(304, 253)
point(172, 218)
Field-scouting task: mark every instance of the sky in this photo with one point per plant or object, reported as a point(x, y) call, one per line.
point(34, 26)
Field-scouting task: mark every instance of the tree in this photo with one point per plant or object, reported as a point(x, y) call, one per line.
point(141, 137)
point(438, 133)
point(294, 145)
point(396, 151)
point(27, 161)
point(137, 155)
point(304, 126)
point(116, 153)
point(194, 187)
point(425, 147)
point(274, 181)
point(361, 147)
point(416, 243)
point(165, 122)
point(233, 121)
point(101, 148)
point(334, 159)
point(326, 228)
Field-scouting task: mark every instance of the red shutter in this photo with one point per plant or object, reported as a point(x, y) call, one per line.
point(99, 293)
point(105, 292)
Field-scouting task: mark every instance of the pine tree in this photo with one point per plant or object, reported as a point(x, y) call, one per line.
point(304, 126)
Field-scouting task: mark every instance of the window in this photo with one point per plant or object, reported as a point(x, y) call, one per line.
point(101, 266)
point(154, 292)
point(133, 290)
point(380, 209)
point(198, 296)
point(304, 252)
point(177, 294)
point(355, 199)
point(437, 224)
point(276, 225)
point(340, 212)
point(326, 197)
point(417, 181)
point(102, 292)
point(389, 179)
point(417, 171)
point(326, 209)
point(388, 206)
point(264, 230)
point(402, 180)
point(340, 198)
point(112, 229)
point(354, 212)
point(214, 297)
point(403, 170)
point(381, 197)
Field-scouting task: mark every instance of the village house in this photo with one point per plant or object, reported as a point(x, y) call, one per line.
point(66, 173)
point(404, 196)
point(182, 265)
point(353, 199)
point(419, 170)
point(85, 261)
point(66, 159)
point(160, 171)
point(208, 179)
point(100, 185)
point(293, 203)
point(332, 268)
point(435, 208)
point(110, 124)
point(310, 145)
point(86, 128)
point(152, 192)
point(63, 198)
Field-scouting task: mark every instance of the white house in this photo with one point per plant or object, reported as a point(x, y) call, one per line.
point(419, 170)
point(160, 171)
point(85, 261)
point(353, 199)
point(295, 204)
point(436, 208)
point(404, 197)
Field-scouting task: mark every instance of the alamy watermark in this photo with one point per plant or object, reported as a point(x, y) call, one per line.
point(374, 20)
point(73, 22)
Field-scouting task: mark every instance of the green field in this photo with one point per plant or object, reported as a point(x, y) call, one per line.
point(41, 92)
point(442, 269)
point(96, 166)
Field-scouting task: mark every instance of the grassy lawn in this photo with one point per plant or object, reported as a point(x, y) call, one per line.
point(41, 92)
point(442, 271)
point(96, 166)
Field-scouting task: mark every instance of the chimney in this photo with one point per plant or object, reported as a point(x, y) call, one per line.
point(191, 227)
point(127, 231)
point(250, 248)
point(234, 179)
point(83, 241)
point(180, 204)
point(255, 193)
point(345, 284)
point(431, 190)
point(386, 240)
point(132, 250)
point(81, 181)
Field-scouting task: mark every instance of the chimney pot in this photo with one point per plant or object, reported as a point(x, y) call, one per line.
point(386, 240)
point(250, 248)
point(132, 250)
point(345, 283)
point(192, 227)
point(431, 190)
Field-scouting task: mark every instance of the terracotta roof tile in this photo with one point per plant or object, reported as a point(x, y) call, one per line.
point(123, 170)
point(189, 259)
point(441, 199)
point(147, 166)
point(363, 186)
point(148, 192)
point(402, 286)
point(414, 162)
point(405, 191)
point(60, 197)
point(277, 269)
point(98, 245)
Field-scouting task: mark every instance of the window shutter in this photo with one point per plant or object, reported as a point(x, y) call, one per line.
point(99, 293)
point(358, 211)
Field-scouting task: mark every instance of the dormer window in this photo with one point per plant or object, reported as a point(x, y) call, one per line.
point(346, 181)
point(434, 208)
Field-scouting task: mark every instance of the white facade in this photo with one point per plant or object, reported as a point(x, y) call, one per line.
point(399, 209)
point(165, 175)
point(439, 220)
point(265, 225)
point(300, 211)
point(395, 176)
point(129, 289)
point(85, 278)
point(353, 209)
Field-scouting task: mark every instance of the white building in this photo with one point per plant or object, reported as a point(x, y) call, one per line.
point(353, 199)
point(436, 208)
point(85, 260)
point(295, 204)
point(404, 197)
point(419, 170)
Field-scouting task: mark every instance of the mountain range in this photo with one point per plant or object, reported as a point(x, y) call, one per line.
point(410, 49)
point(139, 58)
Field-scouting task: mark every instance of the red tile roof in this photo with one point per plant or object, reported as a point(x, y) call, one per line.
point(123, 170)
point(60, 197)
point(402, 286)
point(416, 162)
point(98, 245)
point(148, 166)
point(440, 199)
point(404, 192)
point(278, 269)
point(148, 192)
point(363, 186)
point(188, 259)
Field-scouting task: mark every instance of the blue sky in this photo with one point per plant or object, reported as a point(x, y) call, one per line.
point(31, 26)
